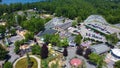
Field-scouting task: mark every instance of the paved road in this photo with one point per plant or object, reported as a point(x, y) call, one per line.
point(12, 47)
point(16, 38)
point(72, 54)
point(12, 53)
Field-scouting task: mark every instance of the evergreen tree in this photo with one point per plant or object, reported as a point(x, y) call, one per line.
point(44, 51)
point(65, 52)
point(79, 50)
point(29, 61)
point(87, 53)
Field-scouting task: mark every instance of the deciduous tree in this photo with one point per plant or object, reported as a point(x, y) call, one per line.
point(117, 64)
point(78, 39)
point(36, 49)
point(3, 52)
point(8, 65)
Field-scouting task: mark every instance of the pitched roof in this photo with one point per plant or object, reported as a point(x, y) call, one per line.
point(48, 31)
point(97, 18)
point(65, 25)
point(100, 48)
point(54, 22)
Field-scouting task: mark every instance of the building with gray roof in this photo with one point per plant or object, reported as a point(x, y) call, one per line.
point(47, 31)
point(71, 41)
point(65, 25)
point(100, 48)
point(97, 18)
point(59, 23)
point(54, 22)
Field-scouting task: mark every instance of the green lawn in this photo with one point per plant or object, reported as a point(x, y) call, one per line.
point(23, 63)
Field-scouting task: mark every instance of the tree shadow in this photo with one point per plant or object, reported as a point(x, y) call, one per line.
point(92, 63)
point(7, 57)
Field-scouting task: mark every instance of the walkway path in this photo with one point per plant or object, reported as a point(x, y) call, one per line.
point(72, 54)
point(37, 59)
point(13, 55)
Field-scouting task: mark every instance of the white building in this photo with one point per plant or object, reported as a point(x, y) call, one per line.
point(95, 18)
point(97, 22)
point(114, 55)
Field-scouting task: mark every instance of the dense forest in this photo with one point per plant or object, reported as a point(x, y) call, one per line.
point(109, 9)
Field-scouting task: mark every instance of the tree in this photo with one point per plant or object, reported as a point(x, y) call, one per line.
point(71, 9)
point(21, 19)
point(13, 32)
point(74, 23)
point(29, 61)
point(98, 60)
point(17, 46)
point(94, 58)
point(79, 19)
point(34, 25)
point(36, 49)
point(47, 38)
point(3, 52)
point(78, 39)
point(44, 51)
point(2, 29)
point(47, 19)
point(29, 36)
point(7, 65)
point(65, 52)
point(55, 39)
point(87, 53)
point(64, 42)
point(45, 63)
point(112, 38)
point(117, 64)
point(79, 50)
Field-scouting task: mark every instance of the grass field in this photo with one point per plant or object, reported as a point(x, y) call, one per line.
point(23, 63)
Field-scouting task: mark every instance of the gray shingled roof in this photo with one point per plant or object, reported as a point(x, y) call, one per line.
point(66, 25)
point(54, 22)
point(100, 48)
point(48, 31)
point(97, 18)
